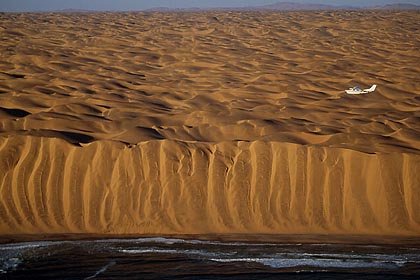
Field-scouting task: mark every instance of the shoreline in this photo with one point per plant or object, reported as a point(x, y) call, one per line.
point(338, 239)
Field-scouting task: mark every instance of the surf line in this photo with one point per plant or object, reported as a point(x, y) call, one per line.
point(103, 269)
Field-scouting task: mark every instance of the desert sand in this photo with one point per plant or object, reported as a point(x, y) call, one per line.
point(210, 123)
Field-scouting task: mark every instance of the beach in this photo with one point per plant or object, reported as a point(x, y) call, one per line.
point(210, 123)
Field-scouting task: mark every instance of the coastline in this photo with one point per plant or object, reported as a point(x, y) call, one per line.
point(380, 240)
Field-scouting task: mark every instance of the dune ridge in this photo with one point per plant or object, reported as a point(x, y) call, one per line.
point(209, 122)
point(172, 187)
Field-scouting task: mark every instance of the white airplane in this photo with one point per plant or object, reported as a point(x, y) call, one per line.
point(358, 90)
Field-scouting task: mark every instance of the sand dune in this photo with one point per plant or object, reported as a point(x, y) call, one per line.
point(210, 122)
point(49, 185)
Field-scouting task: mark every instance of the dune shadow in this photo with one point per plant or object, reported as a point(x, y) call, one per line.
point(77, 138)
point(17, 113)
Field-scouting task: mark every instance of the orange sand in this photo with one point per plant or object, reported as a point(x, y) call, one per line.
point(212, 122)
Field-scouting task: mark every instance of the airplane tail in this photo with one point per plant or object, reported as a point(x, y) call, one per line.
point(372, 88)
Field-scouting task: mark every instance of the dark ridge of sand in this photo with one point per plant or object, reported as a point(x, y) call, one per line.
point(382, 240)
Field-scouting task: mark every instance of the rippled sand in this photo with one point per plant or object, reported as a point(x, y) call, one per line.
point(210, 122)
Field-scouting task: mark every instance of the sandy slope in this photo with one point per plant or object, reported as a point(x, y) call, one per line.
point(229, 187)
point(210, 122)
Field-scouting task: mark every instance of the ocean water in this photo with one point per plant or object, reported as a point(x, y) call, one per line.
point(170, 258)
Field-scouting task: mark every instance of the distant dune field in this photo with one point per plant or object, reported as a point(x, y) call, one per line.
point(210, 122)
